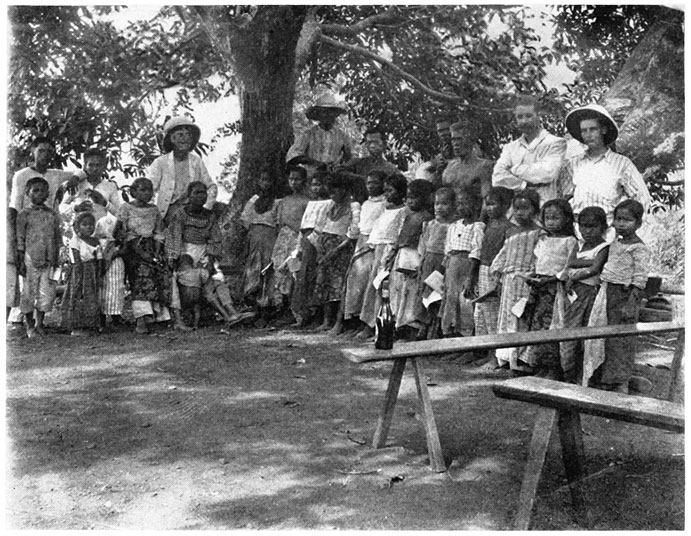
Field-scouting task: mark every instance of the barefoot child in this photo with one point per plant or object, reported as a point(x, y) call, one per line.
point(546, 302)
point(462, 247)
point(302, 301)
point(39, 236)
point(260, 219)
point(148, 275)
point(609, 363)
point(112, 298)
point(431, 251)
point(498, 228)
point(80, 303)
point(582, 280)
point(403, 281)
point(335, 248)
point(382, 239)
point(194, 232)
point(289, 215)
point(514, 260)
point(361, 263)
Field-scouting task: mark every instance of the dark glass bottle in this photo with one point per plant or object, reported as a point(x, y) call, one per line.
point(385, 324)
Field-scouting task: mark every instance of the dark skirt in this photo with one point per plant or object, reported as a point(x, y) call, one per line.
point(149, 281)
point(620, 352)
point(576, 315)
point(80, 303)
point(331, 275)
point(260, 245)
point(540, 312)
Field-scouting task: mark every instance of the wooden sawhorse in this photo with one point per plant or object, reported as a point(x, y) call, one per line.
point(564, 403)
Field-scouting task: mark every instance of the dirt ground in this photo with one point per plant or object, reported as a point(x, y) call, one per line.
point(269, 429)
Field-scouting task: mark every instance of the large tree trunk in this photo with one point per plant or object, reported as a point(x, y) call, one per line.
point(261, 47)
point(647, 100)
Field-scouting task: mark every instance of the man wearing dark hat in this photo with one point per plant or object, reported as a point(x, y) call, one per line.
point(535, 159)
point(600, 177)
point(324, 143)
point(466, 169)
point(172, 172)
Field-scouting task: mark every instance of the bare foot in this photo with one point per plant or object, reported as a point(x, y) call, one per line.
point(337, 329)
point(325, 326)
point(491, 365)
point(365, 334)
point(180, 326)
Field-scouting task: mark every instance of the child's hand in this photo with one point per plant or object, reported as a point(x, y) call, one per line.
point(467, 289)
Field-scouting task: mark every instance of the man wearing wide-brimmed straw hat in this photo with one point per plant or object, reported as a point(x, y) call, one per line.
point(534, 160)
point(600, 177)
point(172, 172)
point(323, 143)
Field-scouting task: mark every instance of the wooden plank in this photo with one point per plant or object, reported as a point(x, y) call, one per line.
point(542, 432)
point(436, 458)
point(635, 409)
point(438, 347)
point(571, 438)
point(674, 393)
point(386, 415)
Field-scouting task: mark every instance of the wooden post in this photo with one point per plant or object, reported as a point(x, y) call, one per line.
point(542, 432)
point(571, 438)
point(436, 458)
point(386, 414)
point(674, 387)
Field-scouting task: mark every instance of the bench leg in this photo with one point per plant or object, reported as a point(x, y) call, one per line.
point(436, 458)
point(386, 414)
point(673, 394)
point(571, 438)
point(542, 432)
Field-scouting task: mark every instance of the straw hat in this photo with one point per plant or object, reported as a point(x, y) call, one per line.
point(175, 123)
point(574, 118)
point(325, 102)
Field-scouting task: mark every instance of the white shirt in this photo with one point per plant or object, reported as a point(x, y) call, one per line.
point(535, 165)
point(55, 178)
point(107, 188)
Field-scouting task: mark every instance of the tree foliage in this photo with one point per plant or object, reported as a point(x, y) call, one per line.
point(78, 78)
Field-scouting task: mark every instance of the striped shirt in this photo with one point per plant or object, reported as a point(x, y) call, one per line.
point(627, 264)
point(465, 237)
point(604, 181)
point(517, 254)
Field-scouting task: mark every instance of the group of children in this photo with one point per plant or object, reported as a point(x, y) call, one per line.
point(171, 270)
point(454, 264)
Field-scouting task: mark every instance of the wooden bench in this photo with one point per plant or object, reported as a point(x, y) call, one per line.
point(413, 351)
point(564, 403)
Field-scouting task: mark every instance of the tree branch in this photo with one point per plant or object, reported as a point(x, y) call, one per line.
point(387, 17)
point(438, 95)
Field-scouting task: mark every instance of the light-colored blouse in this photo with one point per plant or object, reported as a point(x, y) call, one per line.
point(345, 225)
point(387, 227)
point(552, 253)
point(627, 264)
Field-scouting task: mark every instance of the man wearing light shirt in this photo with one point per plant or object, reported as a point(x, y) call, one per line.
point(535, 159)
point(599, 176)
